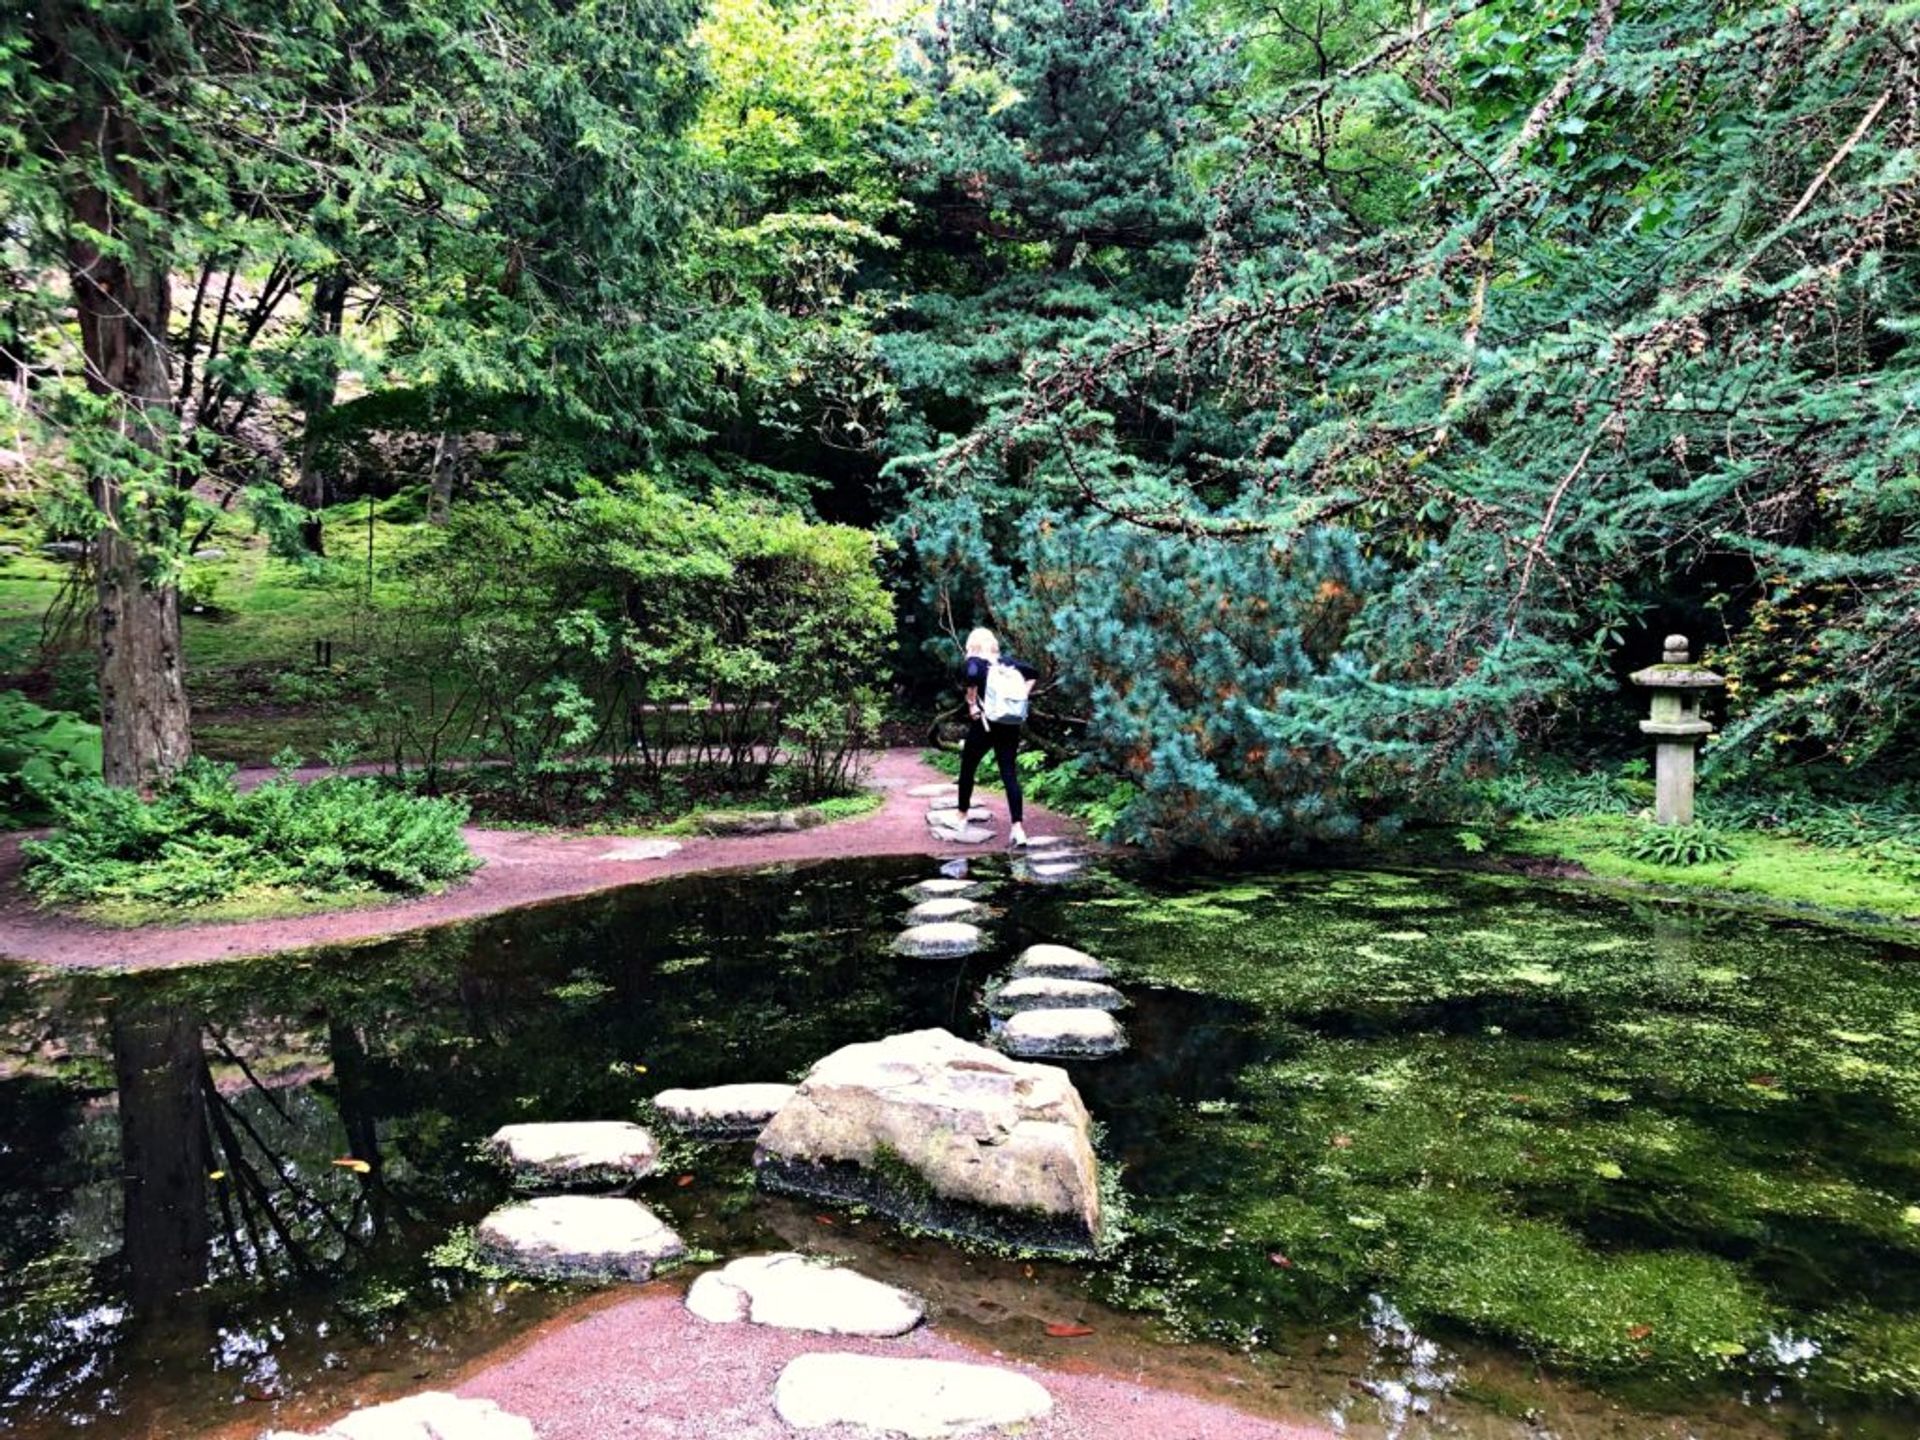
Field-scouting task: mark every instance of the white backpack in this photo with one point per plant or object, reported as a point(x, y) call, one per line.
point(1004, 702)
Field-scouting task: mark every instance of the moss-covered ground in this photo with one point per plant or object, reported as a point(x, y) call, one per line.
point(1853, 881)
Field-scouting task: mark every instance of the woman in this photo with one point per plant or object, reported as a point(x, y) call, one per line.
point(982, 735)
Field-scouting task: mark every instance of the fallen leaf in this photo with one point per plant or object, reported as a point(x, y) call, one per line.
point(1069, 1331)
point(1639, 1332)
point(355, 1164)
point(1342, 1142)
point(826, 1219)
point(684, 1181)
point(1281, 1260)
point(639, 1069)
point(216, 1175)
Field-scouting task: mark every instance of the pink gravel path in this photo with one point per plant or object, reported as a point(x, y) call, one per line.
point(519, 867)
point(644, 1369)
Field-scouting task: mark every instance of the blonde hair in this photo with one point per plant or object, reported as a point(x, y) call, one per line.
point(982, 643)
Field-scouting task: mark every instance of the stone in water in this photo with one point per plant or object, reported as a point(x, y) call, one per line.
point(1053, 992)
point(1059, 960)
point(723, 1112)
point(939, 940)
point(576, 1152)
point(945, 1133)
point(943, 908)
point(430, 1415)
point(801, 1292)
point(923, 1399)
point(943, 889)
point(568, 1237)
point(955, 868)
point(1061, 1034)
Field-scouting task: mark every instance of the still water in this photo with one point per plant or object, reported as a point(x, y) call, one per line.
point(1418, 1155)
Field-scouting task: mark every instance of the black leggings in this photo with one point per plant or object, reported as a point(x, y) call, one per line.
point(1004, 740)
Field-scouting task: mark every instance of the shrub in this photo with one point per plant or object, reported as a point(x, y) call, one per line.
point(40, 751)
point(200, 840)
point(1680, 845)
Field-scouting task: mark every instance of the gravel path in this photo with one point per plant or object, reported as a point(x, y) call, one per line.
point(519, 867)
point(644, 1369)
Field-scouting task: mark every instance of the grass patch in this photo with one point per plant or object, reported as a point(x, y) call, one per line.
point(1770, 867)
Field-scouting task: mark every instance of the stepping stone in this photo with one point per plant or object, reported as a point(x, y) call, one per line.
point(947, 789)
point(1052, 992)
point(923, 1399)
point(570, 1237)
point(955, 869)
point(943, 889)
point(1060, 960)
point(576, 1152)
point(430, 1415)
point(800, 1292)
point(968, 834)
point(1048, 842)
point(943, 908)
point(640, 850)
point(950, 815)
point(1048, 871)
point(1061, 1034)
point(942, 938)
point(723, 1112)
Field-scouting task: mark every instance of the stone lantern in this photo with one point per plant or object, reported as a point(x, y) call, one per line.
point(1677, 726)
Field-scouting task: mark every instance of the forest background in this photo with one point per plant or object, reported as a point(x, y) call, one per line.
point(1337, 402)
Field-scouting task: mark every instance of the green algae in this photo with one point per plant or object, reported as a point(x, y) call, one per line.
point(1640, 1144)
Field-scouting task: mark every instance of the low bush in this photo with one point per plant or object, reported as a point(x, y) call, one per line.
point(201, 840)
point(1680, 845)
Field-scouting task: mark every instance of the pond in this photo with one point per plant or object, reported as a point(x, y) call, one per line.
point(1428, 1154)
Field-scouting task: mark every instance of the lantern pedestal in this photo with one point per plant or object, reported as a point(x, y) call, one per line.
point(1678, 687)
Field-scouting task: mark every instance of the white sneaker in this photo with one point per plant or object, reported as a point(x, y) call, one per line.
point(1017, 835)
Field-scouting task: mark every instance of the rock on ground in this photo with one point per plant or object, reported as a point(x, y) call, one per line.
point(959, 834)
point(1061, 1034)
point(947, 789)
point(924, 1399)
point(576, 1152)
point(942, 938)
point(642, 850)
point(723, 1112)
point(950, 814)
point(944, 907)
point(1053, 992)
point(798, 1292)
point(944, 1133)
point(1059, 960)
point(430, 1415)
point(567, 1237)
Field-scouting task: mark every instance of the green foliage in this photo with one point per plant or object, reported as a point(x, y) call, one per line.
point(635, 629)
point(1077, 788)
point(1681, 845)
point(201, 840)
point(40, 752)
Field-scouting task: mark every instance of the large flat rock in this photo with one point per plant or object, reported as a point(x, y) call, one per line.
point(569, 1237)
point(923, 1399)
point(937, 790)
point(723, 1112)
point(958, 833)
point(1053, 992)
point(1060, 960)
point(576, 1152)
point(1061, 1034)
point(944, 888)
point(942, 1133)
point(938, 939)
point(430, 1415)
point(800, 1292)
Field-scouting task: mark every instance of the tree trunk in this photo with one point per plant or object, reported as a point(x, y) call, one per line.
point(326, 321)
point(446, 464)
point(119, 271)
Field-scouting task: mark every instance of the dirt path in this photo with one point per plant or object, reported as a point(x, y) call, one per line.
point(518, 867)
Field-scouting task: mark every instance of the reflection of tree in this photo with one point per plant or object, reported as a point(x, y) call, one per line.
point(165, 1156)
